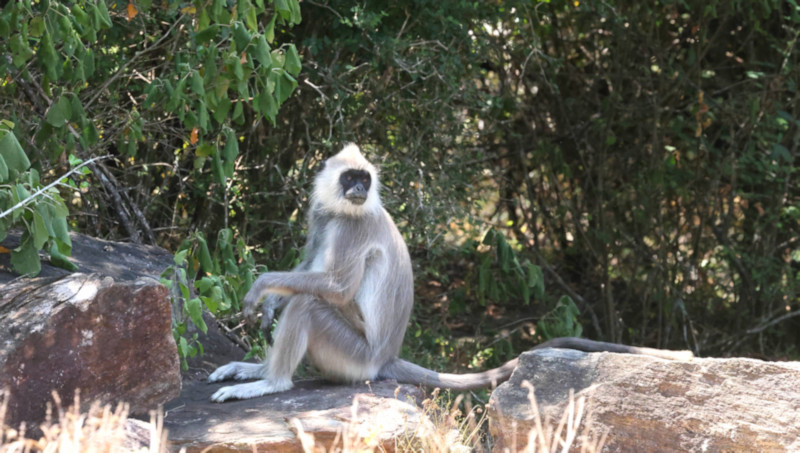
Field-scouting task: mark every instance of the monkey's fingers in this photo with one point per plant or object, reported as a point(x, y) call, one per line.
point(250, 314)
point(267, 317)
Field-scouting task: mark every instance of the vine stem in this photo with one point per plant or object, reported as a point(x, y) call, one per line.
point(49, 186)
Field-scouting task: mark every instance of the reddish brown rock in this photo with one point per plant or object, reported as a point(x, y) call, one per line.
point(113, 341)
point(645, 404)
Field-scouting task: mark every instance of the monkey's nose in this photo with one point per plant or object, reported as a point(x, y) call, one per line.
point(357, 194)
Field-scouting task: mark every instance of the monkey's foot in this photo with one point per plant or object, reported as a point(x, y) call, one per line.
point(250, 390)
point(240, 371)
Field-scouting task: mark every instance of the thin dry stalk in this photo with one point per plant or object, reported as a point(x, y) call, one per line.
point(99, 430)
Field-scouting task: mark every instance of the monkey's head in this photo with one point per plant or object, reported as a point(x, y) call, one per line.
point(347, 184)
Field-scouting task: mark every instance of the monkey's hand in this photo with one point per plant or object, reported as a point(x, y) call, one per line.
point(271, 303)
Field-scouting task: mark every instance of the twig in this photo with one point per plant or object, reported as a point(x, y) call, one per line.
point(148, 232)
point(771, 323)
point(47, 187)
point(123, 216)
point(129, 62)
point(231, 335)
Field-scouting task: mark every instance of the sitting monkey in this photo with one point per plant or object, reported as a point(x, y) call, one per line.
point(348, 303)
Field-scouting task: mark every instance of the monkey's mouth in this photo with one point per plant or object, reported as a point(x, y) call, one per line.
point(356, 198)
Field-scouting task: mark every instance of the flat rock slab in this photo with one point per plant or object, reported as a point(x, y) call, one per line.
point(120, 260)
point(377, 414)
point(647, 404)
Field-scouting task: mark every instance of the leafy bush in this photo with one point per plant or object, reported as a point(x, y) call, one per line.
point(39, 210)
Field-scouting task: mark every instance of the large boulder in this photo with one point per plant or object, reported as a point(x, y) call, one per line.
point(646, 404)
point(312, 414)
point(105, 334)
point(113, 341)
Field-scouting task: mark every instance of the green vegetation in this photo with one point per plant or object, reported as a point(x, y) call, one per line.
point(625, 170)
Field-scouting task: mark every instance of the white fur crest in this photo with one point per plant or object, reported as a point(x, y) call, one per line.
point(327, 190)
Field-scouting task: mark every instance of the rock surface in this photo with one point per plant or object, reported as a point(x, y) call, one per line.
point(107, 333)
point(120, 260)
point(375, 414)
point(113, 341)
point(646, 404)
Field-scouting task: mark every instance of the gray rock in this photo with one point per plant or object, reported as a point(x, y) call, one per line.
point(377, 414)
point(646, 404)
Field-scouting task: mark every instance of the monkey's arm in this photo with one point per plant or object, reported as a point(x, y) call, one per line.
point(271, 303)
point(336, 288)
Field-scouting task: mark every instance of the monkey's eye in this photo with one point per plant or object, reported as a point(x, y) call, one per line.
point(348, 178)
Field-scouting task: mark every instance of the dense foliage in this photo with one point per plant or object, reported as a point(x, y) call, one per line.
point(639, 158)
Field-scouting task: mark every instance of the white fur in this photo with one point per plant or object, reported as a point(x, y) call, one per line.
point(349, 158)
point(240, 371)
point(369, 295)
point(331, 362)
point(250, 390)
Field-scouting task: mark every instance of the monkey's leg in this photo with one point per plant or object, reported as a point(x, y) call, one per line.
point(306, 324)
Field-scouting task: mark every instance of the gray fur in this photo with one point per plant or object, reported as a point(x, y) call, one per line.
point(348, 303)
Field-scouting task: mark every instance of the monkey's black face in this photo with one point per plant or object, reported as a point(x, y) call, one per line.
point(355, 185)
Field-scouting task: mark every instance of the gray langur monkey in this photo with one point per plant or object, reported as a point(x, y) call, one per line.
point(347, 304)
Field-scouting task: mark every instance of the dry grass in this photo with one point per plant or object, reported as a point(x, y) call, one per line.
point(99, 430)
point(446, 426)
point(456, 426)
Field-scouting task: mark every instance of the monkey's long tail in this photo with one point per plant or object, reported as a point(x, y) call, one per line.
point(409, 373)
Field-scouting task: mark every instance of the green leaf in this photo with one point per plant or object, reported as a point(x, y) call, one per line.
point(267, 106)
point(11, 151)
point(80, 16)
point(285, 87)
point(61, 230)
point(205, 150)
point(292, 61)
point(240, 36)
point(25, 258)
point(88, 62)
point(203, 255)
point(251, 20)
point(269, 30)
point(283, 9)
point(78, 113)
point(211, 303)
point(48, 58)
point(261, 52)
point(294, 7)
point(36, 27)
point(230, 152)
point(183, 345)
point(20, 50)
point(39, 231)
point(59, 113)
point(223, 107)
point(238, 72)
point(194, 307)
point(207, 34)
point(102, 11)
point(180, 257)
point(59, 260)
point(3, 170)
point(202, 116)
point(780, 151)
point(197, 84)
